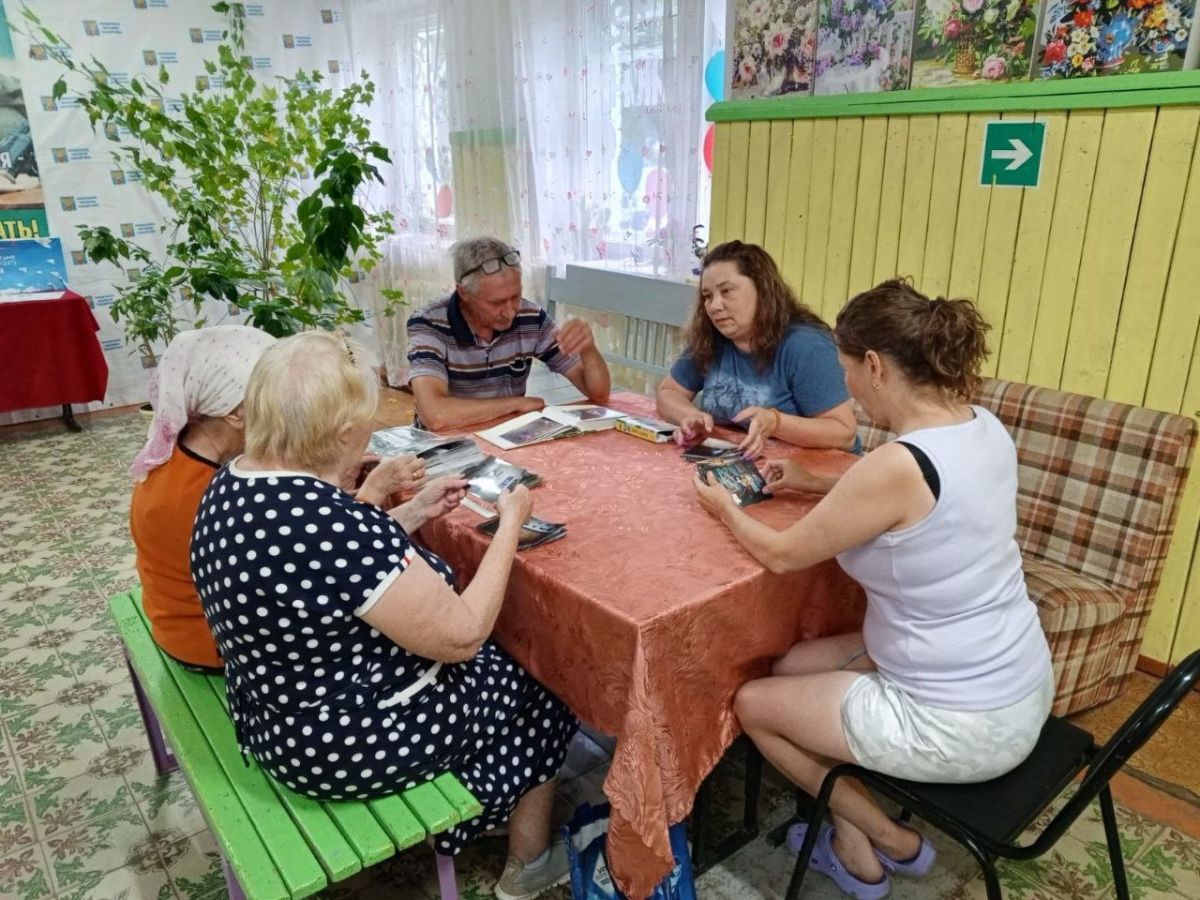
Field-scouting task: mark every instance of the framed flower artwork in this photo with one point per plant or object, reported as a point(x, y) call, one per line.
point(1110, 37)
point(863, 46)
point(773, 47)
point(973, 41)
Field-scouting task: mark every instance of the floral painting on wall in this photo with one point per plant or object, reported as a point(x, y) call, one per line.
point(973, 41)
point(863, 46)
point(1109, 37)
point(773, 47)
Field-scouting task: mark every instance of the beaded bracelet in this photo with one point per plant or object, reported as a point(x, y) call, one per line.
point(778, 420)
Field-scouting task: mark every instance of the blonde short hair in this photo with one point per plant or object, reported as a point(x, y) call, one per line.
point(302, 392)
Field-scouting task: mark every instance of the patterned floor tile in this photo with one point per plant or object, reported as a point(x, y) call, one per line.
point(53, 742)
point(126, 883)
point(68, 804)
point(95, 654)
point(17, 829)
point(167, 804)
point(1171, 864)
point(194, 867)
point(24, 875)
point(80, 857)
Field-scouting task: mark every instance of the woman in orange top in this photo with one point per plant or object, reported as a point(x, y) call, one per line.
point(197, 393)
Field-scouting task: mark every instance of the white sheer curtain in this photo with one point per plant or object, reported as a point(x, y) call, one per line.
point(573, 130)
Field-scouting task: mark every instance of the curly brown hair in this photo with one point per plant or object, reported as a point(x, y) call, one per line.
point(777, 310)
point(938, 342)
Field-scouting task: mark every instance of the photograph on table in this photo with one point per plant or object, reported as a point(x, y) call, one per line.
point(964, 42)
point(774, 45)
point(1114, 37)
point(864, 46)
point(534, 532)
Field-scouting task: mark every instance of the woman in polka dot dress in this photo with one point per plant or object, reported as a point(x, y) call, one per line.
point(353, 668)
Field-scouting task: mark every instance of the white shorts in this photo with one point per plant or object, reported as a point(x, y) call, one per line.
point(891, 733)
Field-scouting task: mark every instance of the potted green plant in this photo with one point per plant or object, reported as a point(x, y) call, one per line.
point(262, 183)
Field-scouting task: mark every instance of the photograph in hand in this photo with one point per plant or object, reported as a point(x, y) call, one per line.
point(534, 532)
point(492, 477)
point(740, 477)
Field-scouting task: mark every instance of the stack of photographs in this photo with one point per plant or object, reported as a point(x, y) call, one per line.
point(704, 453)
point(490, 478)
point(441, 455)
point(534, 532)
point(740, 477)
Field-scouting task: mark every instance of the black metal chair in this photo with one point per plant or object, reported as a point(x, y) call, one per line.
point(987, 818)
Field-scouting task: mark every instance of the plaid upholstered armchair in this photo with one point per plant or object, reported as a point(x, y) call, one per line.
point(1098, 491)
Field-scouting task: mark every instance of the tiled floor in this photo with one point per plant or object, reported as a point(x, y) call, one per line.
point(83, 815)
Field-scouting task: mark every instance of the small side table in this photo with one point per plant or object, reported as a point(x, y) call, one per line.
point(50, 355)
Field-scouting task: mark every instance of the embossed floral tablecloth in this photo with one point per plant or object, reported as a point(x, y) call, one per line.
point(647, 617)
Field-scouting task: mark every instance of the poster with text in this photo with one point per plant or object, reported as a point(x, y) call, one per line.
point(22, 210)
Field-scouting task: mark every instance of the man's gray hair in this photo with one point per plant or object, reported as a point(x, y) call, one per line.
point(473, 252)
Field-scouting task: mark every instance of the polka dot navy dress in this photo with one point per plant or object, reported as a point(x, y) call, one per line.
point(285, 564)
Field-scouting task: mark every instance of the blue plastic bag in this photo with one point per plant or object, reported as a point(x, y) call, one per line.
point(585, 835)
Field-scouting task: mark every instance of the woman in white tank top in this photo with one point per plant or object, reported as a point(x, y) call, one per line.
point(950, 678)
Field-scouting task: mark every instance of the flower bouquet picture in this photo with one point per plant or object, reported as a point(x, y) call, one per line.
point(773, 47)
point(1111, 37)
point(973, 41)
point(864, 46)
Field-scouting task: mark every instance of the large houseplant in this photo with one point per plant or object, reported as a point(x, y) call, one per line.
point(262, 183)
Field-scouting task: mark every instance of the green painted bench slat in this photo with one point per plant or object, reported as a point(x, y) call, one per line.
point(297, 865)
point(458, 796)
point(237, 835)
point(398, 821)
point(340, 854)
point(431, 808)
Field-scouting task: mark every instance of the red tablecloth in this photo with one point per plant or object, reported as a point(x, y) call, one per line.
point(49, 353)
point(647, 617)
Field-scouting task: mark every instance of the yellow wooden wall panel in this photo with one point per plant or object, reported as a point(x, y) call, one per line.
point(1187, 633)
point(778, 195)
point(1120, 174)
point(758, 162)
point(999, 247)
point(866, 205)
point(1171, 153)
point(1174, 591)
point(971, 227)
point(841, 217)
point(1076, 175)
point(735, 194)
point(891, 197)
point(820, 200)
point(943, 204)
point(1030, 257)
point(796, 222)
point(914, 211)
point(1177, 331)
point(720, 184)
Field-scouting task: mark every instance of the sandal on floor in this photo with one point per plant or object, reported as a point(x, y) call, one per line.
point(825, 861)
point(917, 866)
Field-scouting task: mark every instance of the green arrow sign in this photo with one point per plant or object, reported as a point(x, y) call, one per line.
point(1012, 153)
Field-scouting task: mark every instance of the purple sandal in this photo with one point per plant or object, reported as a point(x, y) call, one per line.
point(825, 861)
point(917, 866)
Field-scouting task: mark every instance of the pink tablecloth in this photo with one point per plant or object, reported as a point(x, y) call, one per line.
point(647, 617)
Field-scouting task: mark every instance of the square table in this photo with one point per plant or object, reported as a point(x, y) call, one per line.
point(647, 617)
point(50, 355)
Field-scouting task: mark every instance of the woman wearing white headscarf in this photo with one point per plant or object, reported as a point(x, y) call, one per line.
point(197, 393)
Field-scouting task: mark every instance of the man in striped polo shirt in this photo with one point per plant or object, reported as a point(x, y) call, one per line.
point(470, 353)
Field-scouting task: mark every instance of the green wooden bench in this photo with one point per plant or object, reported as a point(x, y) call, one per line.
point(274, 843)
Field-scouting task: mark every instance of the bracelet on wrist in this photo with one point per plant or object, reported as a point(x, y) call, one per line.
point(778, 420)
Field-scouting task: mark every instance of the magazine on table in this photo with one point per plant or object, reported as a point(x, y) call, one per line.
point(739, 476)
point(441, 455)
point(490, 478)
point(534, 532)
point(530, 428)
point(646, 428)
point(584, 416)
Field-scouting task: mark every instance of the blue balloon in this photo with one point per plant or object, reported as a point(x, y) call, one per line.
point(714, 75)
point(629, 168)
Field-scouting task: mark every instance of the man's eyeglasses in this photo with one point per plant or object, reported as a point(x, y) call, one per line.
point(512, 259)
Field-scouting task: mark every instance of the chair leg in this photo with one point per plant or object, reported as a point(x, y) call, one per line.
point(990, 879)
point(164, 759)
point(447, 881)
point(754, 771)
point(700, 825)
point(231, 882)
point(1113, 837)
point(806, 850)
